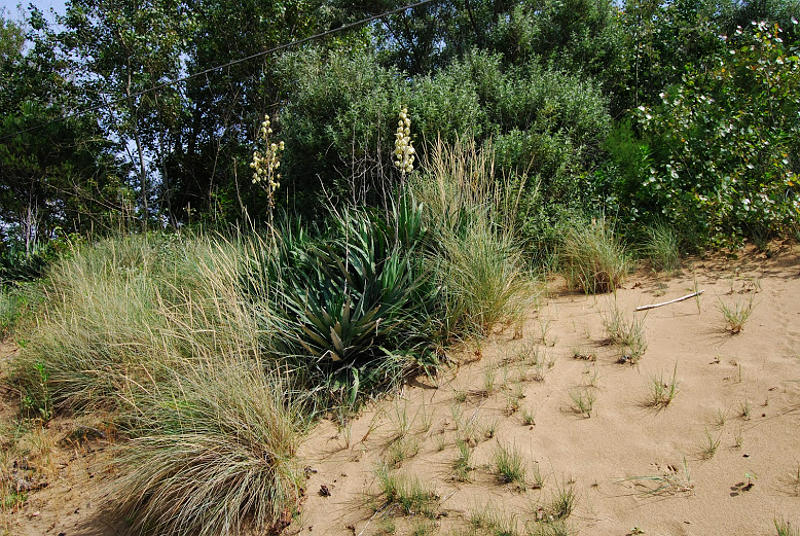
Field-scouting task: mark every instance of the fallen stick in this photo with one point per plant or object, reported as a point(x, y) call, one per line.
point(654, 305)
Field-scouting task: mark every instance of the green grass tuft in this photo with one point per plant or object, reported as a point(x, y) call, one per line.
point(592, 259)
point(407, 494)
point(662, 249)
point(627, 333)
point(736, 314)
point(509, 466)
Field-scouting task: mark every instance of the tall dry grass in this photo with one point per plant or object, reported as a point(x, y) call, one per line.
point(158, 329)
point(472, 216)
point(213, 452)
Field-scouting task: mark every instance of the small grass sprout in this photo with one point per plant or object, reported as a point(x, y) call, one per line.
point(794, 481)
point(662, 392)
point(528, 417)
point(710, 447)
point(488, 520)
point(582, 401)
point(785, 528)
point(669, 482)
point(736, 314)
point(744, 410)
point(627, 333)
point(738, 438)
point(561, 504)
point(401, 449)
point(720, 418)
point(406, 494)
point(462, 466)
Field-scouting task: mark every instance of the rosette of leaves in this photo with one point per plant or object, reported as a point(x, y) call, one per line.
point(354, 309)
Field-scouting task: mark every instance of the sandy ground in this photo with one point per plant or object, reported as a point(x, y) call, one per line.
point(686, 492)
point(601, 457)
point(61, 468)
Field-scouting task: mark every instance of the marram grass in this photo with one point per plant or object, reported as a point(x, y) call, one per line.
point(213, 453)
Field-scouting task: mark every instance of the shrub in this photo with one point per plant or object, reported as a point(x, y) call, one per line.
point(592, 258)
point(545, 123)
point(723, 141)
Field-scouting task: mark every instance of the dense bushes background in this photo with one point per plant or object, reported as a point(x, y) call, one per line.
point(556, 86)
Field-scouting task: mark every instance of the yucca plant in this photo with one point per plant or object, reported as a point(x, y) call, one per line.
point(355, 307)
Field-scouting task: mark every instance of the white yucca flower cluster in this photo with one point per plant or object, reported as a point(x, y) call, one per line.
point(403, 147)
point(265, 165)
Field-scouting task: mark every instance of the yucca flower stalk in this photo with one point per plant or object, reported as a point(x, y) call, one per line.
point(266, 163)
point(403, 146)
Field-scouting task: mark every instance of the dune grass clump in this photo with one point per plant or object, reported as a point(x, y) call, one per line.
point(113, 310)
point(406, 494)
point(475, 252)
point(486, 284)
point(155, 328)
point(212, 453)
point(462, 465)
point(662, 249)
point(663, 392)
point(592, 258)
point(627, 333)
point(509, 466)
point(494, 522)
point(583, 400)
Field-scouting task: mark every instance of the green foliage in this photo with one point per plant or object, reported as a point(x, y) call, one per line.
point(545, 123)
point(725, 135)
point(10, 309)
point(355, 306)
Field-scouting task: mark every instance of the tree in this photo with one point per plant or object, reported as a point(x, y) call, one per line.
point(57, 174)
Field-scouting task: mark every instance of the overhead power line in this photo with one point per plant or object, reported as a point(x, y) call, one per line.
point(231, 63)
